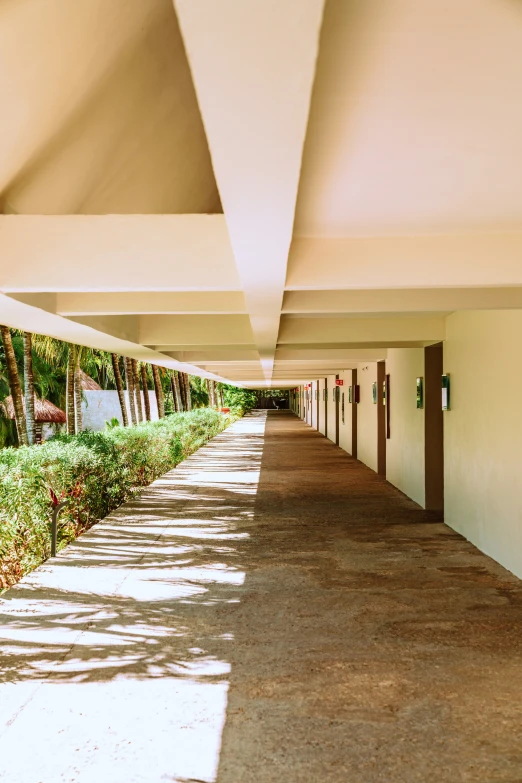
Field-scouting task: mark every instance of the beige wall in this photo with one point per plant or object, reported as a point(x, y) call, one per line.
point(345, 430)
point(367, 416)
point(314, 404)
point(483, 432)
point(405, 447)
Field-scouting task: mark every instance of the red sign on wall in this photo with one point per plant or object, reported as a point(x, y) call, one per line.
point(339, 382)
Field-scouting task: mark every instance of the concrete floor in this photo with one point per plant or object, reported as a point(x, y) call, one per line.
point(271, 610)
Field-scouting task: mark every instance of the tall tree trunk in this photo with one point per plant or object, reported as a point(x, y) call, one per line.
point(71, 359)
point(14, 386)
point(136, 379)
point(209, 392)
point(29, 388)
point(177, 391)
point(145, 384)
point(158, 388)
point(129, 382)
point(182, 390)
point(187, 392)
point(78, 393)
point(119, 387)
point(175, 406)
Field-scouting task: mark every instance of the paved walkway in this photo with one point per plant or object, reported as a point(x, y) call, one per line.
point(270, 611)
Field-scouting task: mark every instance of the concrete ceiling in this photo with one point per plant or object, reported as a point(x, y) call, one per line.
point(261, 192)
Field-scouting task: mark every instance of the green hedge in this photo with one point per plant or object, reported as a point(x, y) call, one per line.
point(97, 471)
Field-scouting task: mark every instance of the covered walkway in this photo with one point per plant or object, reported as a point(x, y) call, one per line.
point(271, 610)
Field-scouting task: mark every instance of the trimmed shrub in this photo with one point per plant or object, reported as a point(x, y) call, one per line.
point(95, 471)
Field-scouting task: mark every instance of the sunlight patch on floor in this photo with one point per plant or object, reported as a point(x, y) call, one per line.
point(114, 656)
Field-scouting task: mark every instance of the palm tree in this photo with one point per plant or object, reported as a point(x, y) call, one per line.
point(69, 410)
point(136, 379)
point(182, 392)
point(178, 402)
point(14, 385)
point(145, 384)
point(219, 393)
point(187, 390)
point(78, 391)
point(129, 382)
point(175, 406)
point(159, 391)
point(119, 387)
point(29, 388)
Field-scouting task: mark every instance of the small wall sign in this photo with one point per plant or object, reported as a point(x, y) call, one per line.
point(420, 392)
point(374, 393)
point(339, 382)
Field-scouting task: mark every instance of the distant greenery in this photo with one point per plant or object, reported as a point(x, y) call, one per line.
point(242, 398)
point(247, 399)
point(95, 471)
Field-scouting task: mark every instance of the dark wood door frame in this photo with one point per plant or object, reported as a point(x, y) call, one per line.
point(433, 429)
point(337, 395)
point(326, 407)
point(381, 420)
point(317, 403)
point(354, 415)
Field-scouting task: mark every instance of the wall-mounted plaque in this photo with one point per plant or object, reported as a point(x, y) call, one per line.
point(374, 393)
point(420, 392)
point(445, 393)
point(350, 394)
point(342, 406)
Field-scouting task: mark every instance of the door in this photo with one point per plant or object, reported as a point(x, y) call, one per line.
point(381, 419)
point(353, 406)
point(337, 400)
point(434, 428)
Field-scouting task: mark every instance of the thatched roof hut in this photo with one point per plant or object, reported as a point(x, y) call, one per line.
point(44, 411)
point(88, 383)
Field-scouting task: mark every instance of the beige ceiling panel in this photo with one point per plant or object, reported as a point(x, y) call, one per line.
point(468, 260)
point(109, 121)
point(415, 124)
point(160, 302)
point(195, 329)
point(360, 330)
point(402, 300)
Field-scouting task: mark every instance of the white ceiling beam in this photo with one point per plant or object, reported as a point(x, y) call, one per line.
point(19, 315)
point(468, 260)
point(253, 64)
point(116, 253)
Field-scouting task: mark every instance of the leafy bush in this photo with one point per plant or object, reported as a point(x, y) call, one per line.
point(96, 471)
